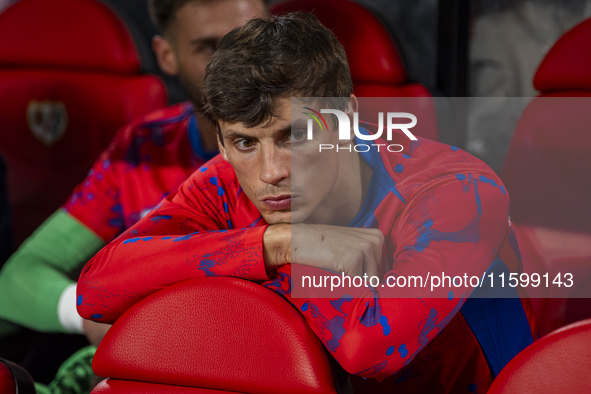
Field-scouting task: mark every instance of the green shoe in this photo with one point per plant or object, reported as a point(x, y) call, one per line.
point(75, 375)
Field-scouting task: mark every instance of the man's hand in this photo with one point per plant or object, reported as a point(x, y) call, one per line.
point(94, 331)
point(277, 245)
point(354, 251)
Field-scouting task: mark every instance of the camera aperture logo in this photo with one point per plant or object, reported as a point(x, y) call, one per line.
point(345, 129)
point(315, 117)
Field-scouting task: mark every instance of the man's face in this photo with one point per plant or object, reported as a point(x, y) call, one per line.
point(195, 32)
point(281, 172)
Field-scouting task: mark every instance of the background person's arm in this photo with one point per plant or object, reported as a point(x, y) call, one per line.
point(36, 285)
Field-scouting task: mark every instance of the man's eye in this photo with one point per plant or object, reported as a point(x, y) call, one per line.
point(207, 48)
point(244, 144)
point(297, 136)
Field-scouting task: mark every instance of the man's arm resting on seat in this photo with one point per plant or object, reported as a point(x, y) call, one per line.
point(35, 286)
point(176, 242)
point(466, 219)
point(376, 332)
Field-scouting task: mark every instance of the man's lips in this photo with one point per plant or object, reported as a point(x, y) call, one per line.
point(278, 203)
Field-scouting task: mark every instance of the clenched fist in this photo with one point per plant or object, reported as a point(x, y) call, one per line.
point(354, 251)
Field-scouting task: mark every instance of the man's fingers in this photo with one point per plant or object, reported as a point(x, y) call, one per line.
point(374, 236)
point(94, 331)
point(373, 242)
point(354, 267)
point(377, 250)
point(354, 251)
point(370, 265)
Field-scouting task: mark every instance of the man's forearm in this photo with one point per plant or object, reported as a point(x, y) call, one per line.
point(33, 281)
point(131, 268)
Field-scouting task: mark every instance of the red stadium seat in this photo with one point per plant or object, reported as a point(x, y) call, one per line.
point(376, 66)
point(211, 334)
point(547, 175)
point(69, 78)
point(15, 379)
point(6, 380)
point(556, 364)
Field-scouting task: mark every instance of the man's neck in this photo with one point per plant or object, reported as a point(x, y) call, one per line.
point(366, 173)
point(348, 195)
point(358, 187)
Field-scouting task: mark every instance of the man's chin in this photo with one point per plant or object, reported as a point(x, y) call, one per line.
point(293, 217)
point(277, 217)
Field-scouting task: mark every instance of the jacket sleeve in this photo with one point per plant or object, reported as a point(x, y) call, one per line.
point(35, 277)
point(187, 236)
point(454, 225)
point(95, 202)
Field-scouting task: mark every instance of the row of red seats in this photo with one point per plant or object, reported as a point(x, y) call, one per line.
point(69, 77)
point(547, 175)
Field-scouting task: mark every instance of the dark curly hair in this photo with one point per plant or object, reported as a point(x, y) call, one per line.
point(290, 55)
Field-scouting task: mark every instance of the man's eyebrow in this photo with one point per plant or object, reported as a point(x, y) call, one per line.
point(205, 40)
point(283, 131)
point(299, 123)
point(231, 134)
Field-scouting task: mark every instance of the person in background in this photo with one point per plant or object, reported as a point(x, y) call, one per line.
point(509, 40)
point(147, 160)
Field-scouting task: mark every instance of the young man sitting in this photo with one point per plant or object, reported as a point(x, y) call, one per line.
point(273, 201)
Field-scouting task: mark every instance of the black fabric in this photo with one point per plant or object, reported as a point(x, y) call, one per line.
point(41, 354)
point(341, 377)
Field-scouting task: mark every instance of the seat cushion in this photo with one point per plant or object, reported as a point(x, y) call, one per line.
point(220, 333)
point(558, 363)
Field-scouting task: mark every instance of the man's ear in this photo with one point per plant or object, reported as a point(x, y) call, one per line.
point(221, 148)
point(352, 107)
point(165, 55)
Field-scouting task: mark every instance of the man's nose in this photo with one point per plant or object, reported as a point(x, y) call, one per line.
point(275, 166)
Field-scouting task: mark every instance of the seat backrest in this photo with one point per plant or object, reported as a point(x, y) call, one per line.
point(14, 379)
point(376, 66)
point(69, 77)
point(550, 153)
point(216, 333)
point(557, 363)
point(565, 68)
point(547, 175)
point(6, 380)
